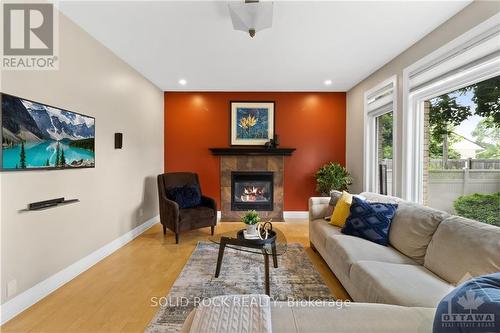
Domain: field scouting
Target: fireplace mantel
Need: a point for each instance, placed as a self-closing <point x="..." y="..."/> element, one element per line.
<point x="252" y="151"/>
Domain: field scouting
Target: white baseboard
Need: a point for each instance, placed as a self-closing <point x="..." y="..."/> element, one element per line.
<point x="21" y="302"/>
<point x="295" y="214"/>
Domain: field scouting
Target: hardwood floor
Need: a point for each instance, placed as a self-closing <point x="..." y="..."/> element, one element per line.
<point x="114" y="295"/>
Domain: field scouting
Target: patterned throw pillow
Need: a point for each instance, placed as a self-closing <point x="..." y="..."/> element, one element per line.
<point x="334" y="197"/>
<point x="370" y="221"/>
<point x="187" y="196"/>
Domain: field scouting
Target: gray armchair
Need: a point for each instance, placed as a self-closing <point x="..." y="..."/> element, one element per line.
<point x="177" y="219"/>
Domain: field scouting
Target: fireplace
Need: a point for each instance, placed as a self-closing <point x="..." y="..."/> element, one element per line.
<point x="238" y="161"/>
<point x="252" y="190"/>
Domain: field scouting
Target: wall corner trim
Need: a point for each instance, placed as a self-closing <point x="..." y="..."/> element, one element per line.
<point x="21" y="302"/>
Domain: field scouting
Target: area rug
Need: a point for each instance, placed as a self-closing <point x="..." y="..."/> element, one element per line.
<point x="242" y="273"/>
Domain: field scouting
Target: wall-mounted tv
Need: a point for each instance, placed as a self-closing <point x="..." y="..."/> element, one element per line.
<point x="38" y="136"/>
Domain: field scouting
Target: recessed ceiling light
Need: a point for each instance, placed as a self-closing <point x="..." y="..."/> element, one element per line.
<point x="327" y="82"/>
<point x="182" y="82"/>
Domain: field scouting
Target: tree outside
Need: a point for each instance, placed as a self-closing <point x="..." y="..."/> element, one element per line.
<point x="385" y="123"/>
<point x="464" y="144"/>
<point x="480" y="101"/>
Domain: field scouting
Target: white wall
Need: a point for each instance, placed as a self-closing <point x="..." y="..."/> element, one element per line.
<point x="116" y="196"/>
<point x="469" y="17"/>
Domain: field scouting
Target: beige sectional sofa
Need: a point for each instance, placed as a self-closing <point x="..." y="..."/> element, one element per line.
<point x="395" y="288"/>
<point x="430" y="253"/>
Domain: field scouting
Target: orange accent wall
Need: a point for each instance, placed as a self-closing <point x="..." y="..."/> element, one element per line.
<point x="314" y="123"/>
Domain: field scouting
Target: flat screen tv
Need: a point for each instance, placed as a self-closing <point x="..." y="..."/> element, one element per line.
<point x="37" y="136"/>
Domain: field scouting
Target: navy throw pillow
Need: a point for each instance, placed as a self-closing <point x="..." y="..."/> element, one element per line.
<point x="473" y="306"/>
<point x="187" y="196"/>
<point x="370" y="221"/>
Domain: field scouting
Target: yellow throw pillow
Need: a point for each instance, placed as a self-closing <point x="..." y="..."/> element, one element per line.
<point x="342" y="209"/>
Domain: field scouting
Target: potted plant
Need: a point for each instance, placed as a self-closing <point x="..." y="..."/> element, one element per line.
<point x="332" y="176"/>
<point x="251" y="218"/>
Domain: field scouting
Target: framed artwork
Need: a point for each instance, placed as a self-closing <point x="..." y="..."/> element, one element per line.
<point x="252" y="123"/>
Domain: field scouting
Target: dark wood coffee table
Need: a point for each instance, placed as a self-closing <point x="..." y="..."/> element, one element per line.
<point x="234" y="240"/>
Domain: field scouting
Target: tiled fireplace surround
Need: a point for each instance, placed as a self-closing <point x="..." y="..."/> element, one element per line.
<point x="274" y="164"/>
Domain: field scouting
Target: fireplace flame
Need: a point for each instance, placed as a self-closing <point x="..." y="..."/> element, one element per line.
<point x="253" y="193"/>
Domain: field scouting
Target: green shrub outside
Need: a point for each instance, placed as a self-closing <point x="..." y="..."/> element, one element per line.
<point x="481" y="207"/>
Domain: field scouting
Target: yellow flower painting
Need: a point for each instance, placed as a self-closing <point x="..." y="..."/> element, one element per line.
<point x="252" y="124"/>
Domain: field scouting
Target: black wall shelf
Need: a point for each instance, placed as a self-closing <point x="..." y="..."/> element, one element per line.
<point x="252" y="151"/>
<point x="42" y="205"/>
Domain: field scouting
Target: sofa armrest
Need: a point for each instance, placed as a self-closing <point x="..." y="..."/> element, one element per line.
<point x="318" y="207"/>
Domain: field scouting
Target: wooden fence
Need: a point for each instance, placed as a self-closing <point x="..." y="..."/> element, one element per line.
<point x="446" y="185"/>
<point x="473" y="164"/>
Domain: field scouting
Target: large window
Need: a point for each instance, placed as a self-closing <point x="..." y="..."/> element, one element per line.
<point x="462" y="151"/>
<point x="451" y="123"/>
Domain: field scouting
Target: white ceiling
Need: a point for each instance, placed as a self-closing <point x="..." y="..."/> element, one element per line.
<point x="309" y="42"/>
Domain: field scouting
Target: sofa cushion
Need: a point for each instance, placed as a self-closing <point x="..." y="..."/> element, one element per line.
<point x="412" y="229"/>
<point x="407" y="285"/>
<point x="320" y="230"/>
<point x="349" y="249"/>
<point x="461" y="248"/>
<point x="370" y="221"/>
<point x="350" y="318"/>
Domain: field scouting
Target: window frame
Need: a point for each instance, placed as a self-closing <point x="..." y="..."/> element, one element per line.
<point x="370" y="139"/>
<point x="413" y="101"/>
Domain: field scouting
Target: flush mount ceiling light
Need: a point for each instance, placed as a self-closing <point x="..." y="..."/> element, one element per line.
<point x="251" y="16"/>
<point x="182" y="82"/>
<point x="327" y="82"/>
